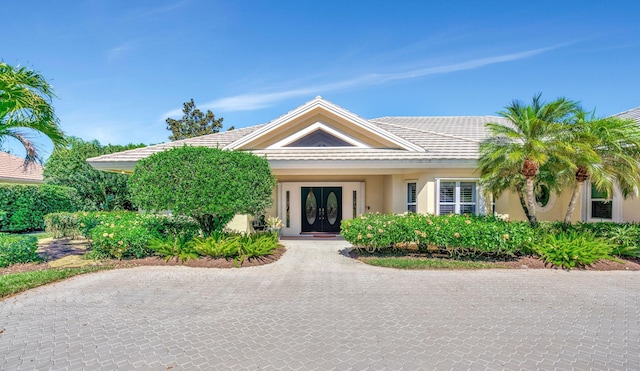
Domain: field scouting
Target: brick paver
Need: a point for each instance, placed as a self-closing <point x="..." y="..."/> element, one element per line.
<point x="317" y="309"/>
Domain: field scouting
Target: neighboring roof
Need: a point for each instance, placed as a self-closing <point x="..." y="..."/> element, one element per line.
<point x="12" y="170"/>
<point x="633" y="114"/>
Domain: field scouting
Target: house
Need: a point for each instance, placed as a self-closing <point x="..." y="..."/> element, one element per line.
<point x="332" y="164"/>
<point x="12" y="170"/>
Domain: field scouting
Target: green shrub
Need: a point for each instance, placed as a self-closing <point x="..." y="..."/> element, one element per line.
<point x="26" y="205"/>
<point x="62" y="225"/>
<point x="456" y="235"/>
<point x="17" y="249"/>
<point x="125" y="239"/>
<point x="571" y="249"/>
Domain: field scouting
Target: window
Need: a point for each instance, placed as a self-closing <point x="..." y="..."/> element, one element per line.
<point x="601" y="206"/>
<point x="412" y="197"/>
<point x="457" y="197"/>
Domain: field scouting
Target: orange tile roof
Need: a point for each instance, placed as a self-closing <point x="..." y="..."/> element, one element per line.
<point x="12" y="170"/>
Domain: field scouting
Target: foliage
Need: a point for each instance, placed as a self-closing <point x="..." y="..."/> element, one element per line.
<point x="62" y="225"/>
<point x="101" y="190"/>
<point x="403" y="262"/>
<point x="533" y="136"/>
<point x="274" y="222"/>
<point x="26" y="205"/>
<point x="176" y="247"/>
<point x="209" y="184"/>
<point x="25" y="109"/>
<point x="14" y="283"/>
<point x="625" y="237"/>
<point x="607" y="153"/>
<point x="236" y="246"/>
<point x="193" y="123"/>
<point x="456" y="235"/>
<point x="571" y="249"/>
<point x="128" y="238"/>
<point x="17" y="249"/>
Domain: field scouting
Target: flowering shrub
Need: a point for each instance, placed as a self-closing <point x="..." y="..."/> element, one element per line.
<point x="453" y="234"/>
<point x="121" y="234"/>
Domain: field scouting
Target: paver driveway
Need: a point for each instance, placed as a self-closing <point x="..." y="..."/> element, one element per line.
<point x="316" y="309"/>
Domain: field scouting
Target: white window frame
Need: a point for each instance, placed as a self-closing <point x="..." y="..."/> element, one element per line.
<point x="480" y="202"/>
<point x="406" y="189"/>
<point x="616" y="205"/>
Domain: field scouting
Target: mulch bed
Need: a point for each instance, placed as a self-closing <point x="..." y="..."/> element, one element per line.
<point x="55" y="249"/>
<point x="525" y="262"/>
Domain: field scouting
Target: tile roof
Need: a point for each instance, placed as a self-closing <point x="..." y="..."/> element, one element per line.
<point x="12" y="170"/>
<point x="630" y="114"/>
<point x="210" y="140"/>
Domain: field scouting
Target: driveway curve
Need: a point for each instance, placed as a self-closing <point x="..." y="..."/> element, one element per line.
<point x="317" y="309"/>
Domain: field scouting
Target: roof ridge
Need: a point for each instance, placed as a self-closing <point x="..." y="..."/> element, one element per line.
<point x="432" y="132"/>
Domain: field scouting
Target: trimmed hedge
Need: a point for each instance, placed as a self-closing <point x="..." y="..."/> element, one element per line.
<point x="24" y="206"/>
<point x="17" y="249"/>
<point x="455" y="235"/>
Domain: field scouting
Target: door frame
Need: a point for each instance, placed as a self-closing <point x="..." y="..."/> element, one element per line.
<point x="295" y="206"/>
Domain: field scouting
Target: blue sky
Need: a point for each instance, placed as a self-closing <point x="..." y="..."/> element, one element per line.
<point x="120" y="68"/>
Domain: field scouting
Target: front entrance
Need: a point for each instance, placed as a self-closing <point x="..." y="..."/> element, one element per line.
<point x="321" y="209"/>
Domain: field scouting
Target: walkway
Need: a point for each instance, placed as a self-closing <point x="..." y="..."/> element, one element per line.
<point x="317" y="309"/>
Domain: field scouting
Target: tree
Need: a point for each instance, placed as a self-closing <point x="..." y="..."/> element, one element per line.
<point x="25" y="108"/>
<point x="193" y="123"/>
<point x="209" y="184"/>
<point x="607" y="152"/>
<point x="101" y="190"/>
<point x="532" y="136"/>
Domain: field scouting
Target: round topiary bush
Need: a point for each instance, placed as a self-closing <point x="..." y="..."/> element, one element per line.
<point x="209" y="184"/>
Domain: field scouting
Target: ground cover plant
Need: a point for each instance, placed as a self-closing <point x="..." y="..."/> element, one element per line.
<point x="413" y="237"/>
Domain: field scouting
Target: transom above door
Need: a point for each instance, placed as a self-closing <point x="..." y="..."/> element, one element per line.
<point x="321" y="209"/>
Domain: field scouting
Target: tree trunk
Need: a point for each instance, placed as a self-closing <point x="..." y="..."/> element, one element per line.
<point x="572" y="204"/>
<point x="523" y="203"/>
<point x="531" y="202"/>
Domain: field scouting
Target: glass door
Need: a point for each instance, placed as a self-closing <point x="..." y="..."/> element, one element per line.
<point x="321" y="209"/>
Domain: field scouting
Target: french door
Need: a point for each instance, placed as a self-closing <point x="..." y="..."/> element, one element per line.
<point x="321" y="209"/>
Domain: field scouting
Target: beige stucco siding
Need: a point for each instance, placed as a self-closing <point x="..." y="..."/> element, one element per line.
<point x="509" y="203"/>
<point x="631" y="210"/>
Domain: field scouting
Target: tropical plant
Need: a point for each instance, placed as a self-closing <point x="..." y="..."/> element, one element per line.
<point x="25" y="109"/>
<point x="607" y="152"/>
<point x="209" y="184"/>
<point x="571" y="249"/>
<point x="101" y="190"/>
<point x="530" y="138"/>
<point x="177" y="247"/>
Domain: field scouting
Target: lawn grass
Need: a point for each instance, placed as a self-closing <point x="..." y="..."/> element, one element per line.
<point x="14" y="283"/>
<point x="426" y="263"/>
<point x="41" y="235"/>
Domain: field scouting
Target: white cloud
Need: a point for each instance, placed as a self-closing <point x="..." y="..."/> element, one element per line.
<point x="120" y="51"/>
<point x="255" y="101"/>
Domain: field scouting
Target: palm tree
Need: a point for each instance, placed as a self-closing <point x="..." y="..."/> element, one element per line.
<point x="25" y="108"/>
<point x="530" y="138"/>
<point x="607" y="153"/>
